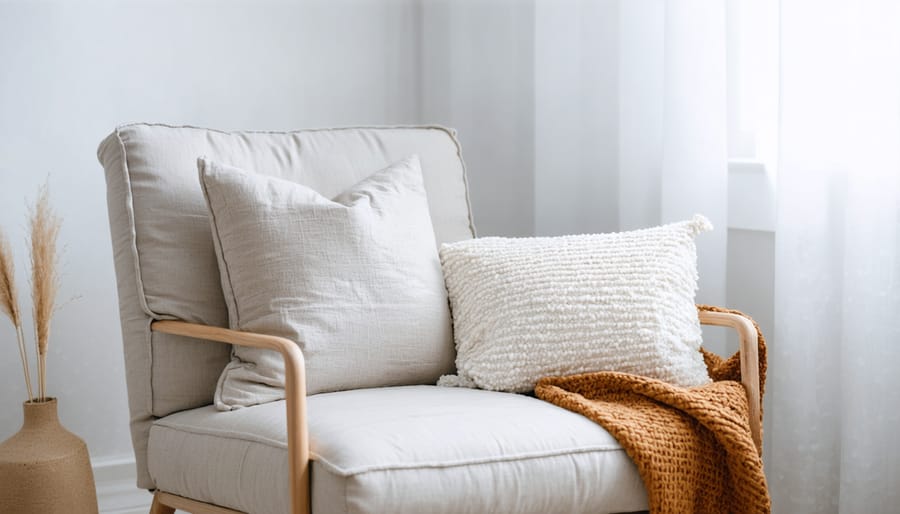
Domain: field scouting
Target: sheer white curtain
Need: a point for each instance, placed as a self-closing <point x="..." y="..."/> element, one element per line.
<point x="630" y="120"/>
<point x="673" y="124"/>
<point x="834" y="380"/>
<point x="630" y="123"/>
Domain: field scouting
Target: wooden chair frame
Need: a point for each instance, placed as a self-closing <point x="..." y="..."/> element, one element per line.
<point x="295" y="403"/>
<point x="295" y="400"/>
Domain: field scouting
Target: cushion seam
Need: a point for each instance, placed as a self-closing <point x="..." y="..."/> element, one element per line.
<point x="136" y="262"/>
<point x="450" y="132"/>
<point x="431" y="126"/>
<point x="461" y="462"/>
<point x="465" y="176"/>
<point x="346" y="472"/>
<point x="220" y="252"/>
<point x="221" y="434"/>
<point x="129" y="210"/>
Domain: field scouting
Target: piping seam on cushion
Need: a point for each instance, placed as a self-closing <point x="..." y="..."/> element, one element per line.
<point x="335" y="469"/>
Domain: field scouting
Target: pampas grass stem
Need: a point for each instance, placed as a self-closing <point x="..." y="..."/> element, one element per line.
<point x="45" y="225"/>
<point x="9" y="305"/>
<point x="23" y="354"/>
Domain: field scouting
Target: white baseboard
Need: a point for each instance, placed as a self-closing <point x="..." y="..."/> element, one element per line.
<point x="117" y="492"/>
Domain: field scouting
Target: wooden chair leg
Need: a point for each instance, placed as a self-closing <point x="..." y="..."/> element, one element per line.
<point x="158" y="507"/>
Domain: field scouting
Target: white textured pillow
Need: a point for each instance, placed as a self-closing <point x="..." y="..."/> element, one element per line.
<point x="532" y="307"/>
<point x="355" y="281"/>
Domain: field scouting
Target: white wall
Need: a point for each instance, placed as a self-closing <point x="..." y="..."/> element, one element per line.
<point x="576" y="116"/>
<point x="70" y="72"/>
<point x="477" y="63"/>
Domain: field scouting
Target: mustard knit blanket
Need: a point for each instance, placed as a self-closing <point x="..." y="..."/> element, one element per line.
<point x="692" y="446"/>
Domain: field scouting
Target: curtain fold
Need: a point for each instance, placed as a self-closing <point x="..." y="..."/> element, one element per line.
<point x="834" y="388"/>
<point x="695" y="145"/>
<point x="631" y="122"/>
<point x="672" y="151"/>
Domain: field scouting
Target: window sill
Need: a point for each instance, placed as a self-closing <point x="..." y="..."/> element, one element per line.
<point x="751" y="196"/>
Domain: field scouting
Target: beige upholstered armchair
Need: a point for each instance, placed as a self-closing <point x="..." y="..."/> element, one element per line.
<point x="408" y="449"/>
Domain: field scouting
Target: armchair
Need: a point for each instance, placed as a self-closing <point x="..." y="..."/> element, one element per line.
<point x="394" y="449"/>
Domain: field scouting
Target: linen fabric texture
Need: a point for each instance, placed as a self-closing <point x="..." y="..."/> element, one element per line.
<point x="355" y="281"/>
<point x="526" y="308"/>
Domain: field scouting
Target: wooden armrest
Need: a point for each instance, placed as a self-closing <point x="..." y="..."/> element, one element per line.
<point x="294" y="392"/>
<point x="749" y="362"/>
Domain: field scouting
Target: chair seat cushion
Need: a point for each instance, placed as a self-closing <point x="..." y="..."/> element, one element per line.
<point x="408" y="449"/>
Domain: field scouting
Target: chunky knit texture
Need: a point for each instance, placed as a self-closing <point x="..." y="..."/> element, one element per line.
<point x="692" y="446"/>
<point x="524" y="308"/>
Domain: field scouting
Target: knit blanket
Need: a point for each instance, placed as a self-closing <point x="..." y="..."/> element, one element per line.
<point x="692" y="446"/>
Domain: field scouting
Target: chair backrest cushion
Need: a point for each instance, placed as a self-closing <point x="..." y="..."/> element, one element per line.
<point x="164" y="255"/>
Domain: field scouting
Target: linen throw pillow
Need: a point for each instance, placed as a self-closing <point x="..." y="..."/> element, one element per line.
<point x="532" y="307"/>
<point x="355" y="281"/>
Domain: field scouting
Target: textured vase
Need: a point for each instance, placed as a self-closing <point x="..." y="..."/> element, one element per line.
<point x="44" y="468"/>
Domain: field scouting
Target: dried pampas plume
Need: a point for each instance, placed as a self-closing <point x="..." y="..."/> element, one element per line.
<point x="45" y="226"/>
<point x="8" y="297"/>
<point x="9" y="304"/>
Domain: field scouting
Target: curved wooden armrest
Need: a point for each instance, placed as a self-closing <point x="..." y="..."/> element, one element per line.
<point x="294" y="392"/>
<point x="749" y="362"/>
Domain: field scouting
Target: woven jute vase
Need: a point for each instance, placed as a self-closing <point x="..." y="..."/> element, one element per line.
<point x="44" y="468"/>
